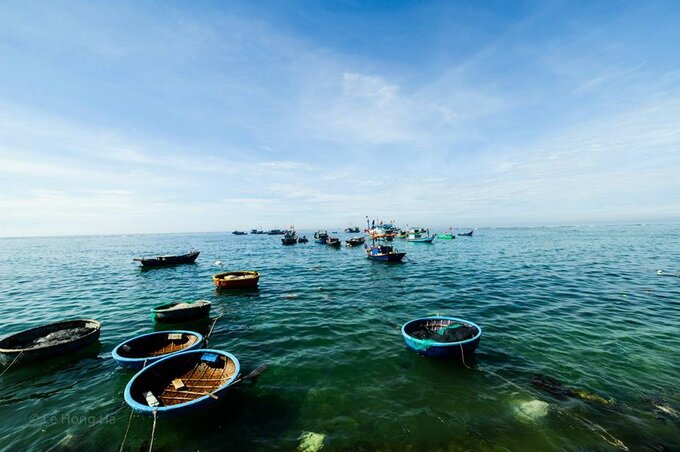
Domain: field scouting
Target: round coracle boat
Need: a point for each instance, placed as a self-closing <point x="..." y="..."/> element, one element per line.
<point x="441" y="336"/>
<point x="236" y="280"/>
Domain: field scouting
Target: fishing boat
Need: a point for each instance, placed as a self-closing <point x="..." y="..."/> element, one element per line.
<point x="236" y="280"/>
<point x="352" y="230"/>
<point x="465" y="234"/>
<point x="182" y="383"/>
<point x="289" y="238"/>
<point x="355" y="241"/>
<point x="303" y="239"/>
<point x="321" y="237"/>
<point x="239" y="233"/>
<point x="276" y="232"/>
<point x="385" y="253"/>
<point x="164" y="261"/>
<point x="417" y="238"/>
<point x="446" y="236"/>
<point x="441" y="336"/>
<point x="48" y="341"/>
<point x="334" y="242"/>
<point x="143" y="350"/>
<point x="181" y="311"/>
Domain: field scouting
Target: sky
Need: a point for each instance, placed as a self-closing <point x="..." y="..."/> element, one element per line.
<point x="162" y="116"/>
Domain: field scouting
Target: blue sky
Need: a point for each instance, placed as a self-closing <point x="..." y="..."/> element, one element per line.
<point x="210" y="116"/>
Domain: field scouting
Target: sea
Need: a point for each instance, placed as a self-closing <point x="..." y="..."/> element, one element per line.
<point x="583" y="307"/>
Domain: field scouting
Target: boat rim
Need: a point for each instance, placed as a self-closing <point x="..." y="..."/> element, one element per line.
<point x="248" y="273"/>
<point x="165" y="307"/>
<point x="97" y="328"/>
<point x="145" y="408"/>
<point x="442" y="317"/>
<point x="118" y="357"/>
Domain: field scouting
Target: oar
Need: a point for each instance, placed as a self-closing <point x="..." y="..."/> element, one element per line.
<point x="255" y="373"/>
<point x="211" y="329"/>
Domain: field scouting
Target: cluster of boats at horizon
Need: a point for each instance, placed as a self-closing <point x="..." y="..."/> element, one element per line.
<point x="378" y="250"/>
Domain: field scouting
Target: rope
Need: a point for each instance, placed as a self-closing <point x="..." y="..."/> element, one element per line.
<point x="593" y="427"/>
<point x="126" y="431"/>
<point x="12" y="363"/>
<point x="153" y="430"/>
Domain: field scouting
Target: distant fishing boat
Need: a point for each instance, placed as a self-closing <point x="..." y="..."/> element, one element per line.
<point x="236" y="280"/>
<point x="352" y="230"/>
<point x="355" y="241"/>
<point x="417" y="238"/>
<point x="334" y="242"/>
<point x="385" y="253"/>
<point x="181" y="311"/>
<point x="239" y="233"/>
<point x="320" y="237"/>
<point x="276" y="232"/>
<point x="143" y="350"/>
<point x="441" y="336"/>
<point x="48" y="341"/>
<point x="290" y="238"/>
<point x="303" y="239"/>
<point x="182" y="383"/>
<point x="465" y="234"/>
<point x="164" y="261"/>
<point x="446" y="236"/>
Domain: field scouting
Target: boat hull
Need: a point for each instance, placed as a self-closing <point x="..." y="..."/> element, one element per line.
<point x="163" y="372"/>
<point x="140" y="344"/>
<point x="193" y="312"/>
<point x="167" y="261"/>
<point x="392" y="257"/>
<point x="249" y="281"/>
<point x="18" y="347"/>
<point x="461" y="349"/>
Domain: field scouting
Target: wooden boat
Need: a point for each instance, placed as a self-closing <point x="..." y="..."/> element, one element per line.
<point x="427" y="336"/>
<point x="303" y="239"/>
<point x="180" y="311"/>
<point x="417" y="238"/>
<point x="276" y="232"/>
<point x="182" y="383"/>
<point x="465" y="234"/>
<point x="446" y="236"/>
<point x="385" y="253"/>
<point x="352" y="230"/>
<point x="143" y="350"/>
<point x="164" y="261"/>
<point x="334" y="242"/>
<point x="48" y="341"/>
<point x="239" y="233"/>
<point x="355" y="241"/>
<point x="236" y="280"/>
<point x="321" y="237"/>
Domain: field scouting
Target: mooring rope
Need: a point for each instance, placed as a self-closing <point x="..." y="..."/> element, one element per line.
<point x="153" y="430"/>
<point x="593" y="427"/>
<point x="12" y="363"/>
<point x="126" y="431"/>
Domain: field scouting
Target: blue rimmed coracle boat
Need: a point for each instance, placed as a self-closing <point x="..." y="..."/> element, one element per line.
<point x="143" y="350"/>
<point x="182" y="383"/>
<point x="442" y="336"/>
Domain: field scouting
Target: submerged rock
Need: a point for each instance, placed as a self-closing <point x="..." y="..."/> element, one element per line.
<point x="311" y="441"/>
<point x="532" y="410"/>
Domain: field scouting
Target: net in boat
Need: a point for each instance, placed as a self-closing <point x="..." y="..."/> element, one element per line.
<point x="431" y="333"/>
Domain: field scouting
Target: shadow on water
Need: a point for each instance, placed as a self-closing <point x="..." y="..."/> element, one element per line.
<point x="237" y="292"/>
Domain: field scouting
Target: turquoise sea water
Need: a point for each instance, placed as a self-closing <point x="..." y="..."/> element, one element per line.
<point x="580" y="304"/>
